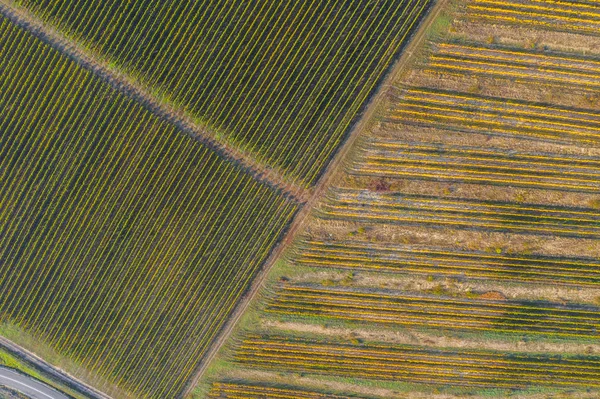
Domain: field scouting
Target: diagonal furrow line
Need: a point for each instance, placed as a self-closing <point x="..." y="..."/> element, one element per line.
<point x="127" y="85"/>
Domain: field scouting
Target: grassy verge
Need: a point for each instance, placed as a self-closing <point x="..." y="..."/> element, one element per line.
<point x="46" y="352"/>
<point x="13" y="362"/>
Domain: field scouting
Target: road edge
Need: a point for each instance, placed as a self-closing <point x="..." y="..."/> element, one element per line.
<point x="52" y="371"/>
<point x="32" y="379"/>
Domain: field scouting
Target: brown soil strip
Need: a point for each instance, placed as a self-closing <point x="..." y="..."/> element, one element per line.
<point x="410" y="336"/>
<point x="125" y="84"/>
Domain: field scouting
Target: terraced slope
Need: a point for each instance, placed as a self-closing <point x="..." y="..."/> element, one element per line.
<point x="283" y="81"/>
<point x="125" y="244"/>
<point x="457" y="253"/>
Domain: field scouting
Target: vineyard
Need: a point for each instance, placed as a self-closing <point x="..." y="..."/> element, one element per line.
<point x="442" y="262"/>
<point x="456" y="253"/>
<point x="465" y="112"/>
<point x="283" y="81"/>
<point x="463" y="213"/>
<point x="302" y="200"/>
<point x="565" y="15"/>
<point x="418" y="364"/>
<point x="222" y="390"/>
<point x="535" y="66"/>
<point x="479" y="165"/>
<point x="434" y="312"/>
<point x="128" y="242"/>
<point x="154" y="157"/>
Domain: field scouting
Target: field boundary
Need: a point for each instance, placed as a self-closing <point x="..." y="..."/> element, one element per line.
<point x="326" y="177"/>
<point x="124" y="84"/>
<point x="52" y="371"/>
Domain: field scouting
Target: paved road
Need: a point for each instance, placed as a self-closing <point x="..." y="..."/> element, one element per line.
<point x="29" y="386"/>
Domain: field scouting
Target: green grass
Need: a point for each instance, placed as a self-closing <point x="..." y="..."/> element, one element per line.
<point x="282" y="80"/>
<point x="125" y="244"/>
<point x="25" y="339"/>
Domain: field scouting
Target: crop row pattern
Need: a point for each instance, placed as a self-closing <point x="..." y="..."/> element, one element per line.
<point x="563" y="15"/>
<point x="420" y="364"/>
<point x="477" y="165"/>
<point x="446" y="262"/>
<point x="405" y="309"/>
<point x="235" y="391"/>
<point x="497" y="116"/>
<point x="124" y="243"/>
<point x="461" y="213"/>
<point x="282" y="80"/>
<point x="566" y="70"/>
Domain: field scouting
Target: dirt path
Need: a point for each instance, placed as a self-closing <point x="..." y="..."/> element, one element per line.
<point x="164" y="110"/>
<point x="324" y="182"/>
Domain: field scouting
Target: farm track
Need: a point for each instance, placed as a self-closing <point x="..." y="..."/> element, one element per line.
<point x="460" y="367"/>
<point x="163" y="110"/>
<point x="357" y="255"/>
<point x="410" y="310"/>
<point x="462" y="214"/>
<point x="328" y="176"/>
<point x="478" y="165"/>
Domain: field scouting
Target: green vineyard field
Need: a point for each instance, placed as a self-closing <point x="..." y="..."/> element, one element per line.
<point x="281" y="80"/>
<point x="127" y="242"/>
<point x="374" y="199"/>
<point x="455" y="254"/>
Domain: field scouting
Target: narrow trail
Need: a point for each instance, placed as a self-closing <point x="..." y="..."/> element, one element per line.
<point x="316" y="193"/>
<point x="125" y="84"/>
